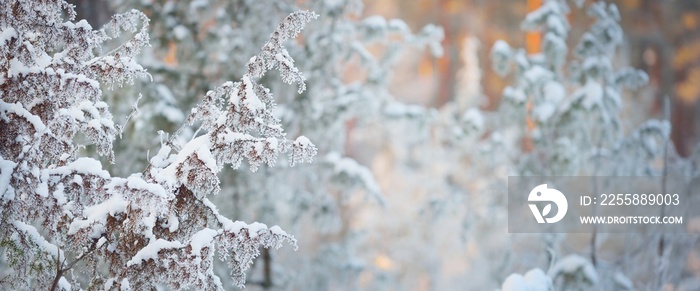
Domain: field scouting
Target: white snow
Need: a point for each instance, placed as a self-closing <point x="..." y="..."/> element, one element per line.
<point x="63" y="284"/>
<point x="42" y="187"/>
<point x="592" y="93"/>
<point x="197" y="4"/>
<point x="555" y="48"/>
<point x="558" y="25"/>
<point x="544" y="111"/>
<point x="259" y="147"/>
<point x="522" y="60"/>
<point x="84" y="166"/>
<point x="83" y="24"/>
<point x="100" y="242"/>
<point x="202" y="239"/>
<point x="125" y="286"/>
<point x="173" y="222"/>
<point x="231" y="137"/>
<point x="59" y="195"/>
<point x="375" y="22"/>
<point x="272" y="143"/>
<point x="399" y="26"/>
<point x="598" y="63"/>
<point x="148" y="223"/>
<point x="7" y="34"/>
<point x="252" y="102"/>
<point x="73" y="112"/>
<point x="397" y="109"/>
<point x="198" y="146"/>
<point x="18" y="68"/>
<point x="514" y="94"/>
<point x="436" y="33"/>
<point x="161" y="160"/>
<point x="135" y="181"/>
<point x="278" y="230"/>
<point x="352" y="169"/>
<point x="227" y="224"/>
<point x="303" y="141"/>
<point x="236" y="227"/>
<point x="38" y="239"/>
<point x="151" y="250"/>
<point x="6" y="170"/>
<point x="232" y="226"/>
<point x="234" y="99"/>
<point x="537" y="74"/>
<point x="18" y="109"/>
<point x="98" y="213"/>
<point x="572" y="264"/>
<point x="180" y="32"/>
<point x="109" y="283"/>
<point x="534" y="280"/>
<point x="43" y="61"/>
<point x="554" y="91"/>
<point x="254" y="228"/>
<point x="501" y="47"/>
<point x="286" y="60"/>
<point x="474" y="117"/>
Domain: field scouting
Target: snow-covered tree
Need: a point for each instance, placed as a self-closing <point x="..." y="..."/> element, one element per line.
<point x="570" y="109"/>
<point x="562" y="115"/>
<point x="347" y="64"/>
<point x="67" y="223"/>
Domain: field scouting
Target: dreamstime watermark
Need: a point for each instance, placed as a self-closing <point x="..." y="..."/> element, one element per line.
<point x="602" y="204"/>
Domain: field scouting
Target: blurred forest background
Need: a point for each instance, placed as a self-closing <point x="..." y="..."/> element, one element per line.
<point x="662" y="38"/>
<point x="426" y="241"/>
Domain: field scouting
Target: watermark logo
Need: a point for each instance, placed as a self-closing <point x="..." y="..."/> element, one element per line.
<point x="542" y="194"/>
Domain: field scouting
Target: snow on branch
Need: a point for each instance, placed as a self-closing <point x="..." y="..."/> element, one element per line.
<point x="274" y="55"/>
<point x="239" y="121"/>
<point x="119" y="65"/>
<point x="62" y="211"/>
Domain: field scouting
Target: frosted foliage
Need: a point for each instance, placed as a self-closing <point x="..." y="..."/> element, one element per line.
<point x="205" y="42"/>
<point x="348" y="169"/>
<point x="551" y="18"/>
<point x="501" y="55"/>
<point x="274" y="54"/>
<point x="534" y="280"/>
<point x="244" y="125"/>
<point x="64" y="215"/>
<point x="562" y="115"/>
<point x="567" y="98"/>
<point x="573" y="271"/>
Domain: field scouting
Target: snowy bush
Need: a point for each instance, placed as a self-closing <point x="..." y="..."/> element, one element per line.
<point x="572" y="105"/>
<point x="196" y="44"/>
<point x="562" y="115"/>
<point x="67" y="223"/>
